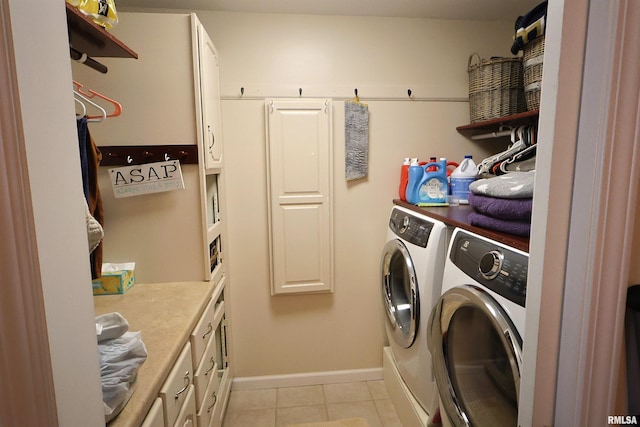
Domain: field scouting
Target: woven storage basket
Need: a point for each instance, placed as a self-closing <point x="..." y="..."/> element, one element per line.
<point x="532" y="61"/>
<point x="496" y="87"/>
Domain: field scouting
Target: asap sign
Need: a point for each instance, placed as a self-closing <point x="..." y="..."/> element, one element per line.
<point x="149" y="178"/>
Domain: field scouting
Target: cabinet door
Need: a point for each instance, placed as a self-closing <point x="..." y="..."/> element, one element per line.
<point x="210" y="99"/>
<point x="300" y="195"/>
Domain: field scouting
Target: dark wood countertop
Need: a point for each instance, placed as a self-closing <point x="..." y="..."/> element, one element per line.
<point x="458" y="216"/>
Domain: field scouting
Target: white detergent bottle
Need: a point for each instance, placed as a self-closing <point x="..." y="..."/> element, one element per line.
<point x="461" y="177"/>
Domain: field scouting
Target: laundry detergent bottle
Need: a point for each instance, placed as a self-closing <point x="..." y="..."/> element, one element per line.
<point x="415" y="175"/>
<point x="404" y="179"/>
<point x="462" y="177"/>
<point x="434" y="186"/>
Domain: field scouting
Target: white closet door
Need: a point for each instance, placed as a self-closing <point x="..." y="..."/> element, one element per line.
<point x="300" y="195"/>
<point x="210" y="98"/>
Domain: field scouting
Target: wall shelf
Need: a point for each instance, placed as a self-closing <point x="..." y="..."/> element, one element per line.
<point x="526" y="118"/>
<point x="87" y="37"/>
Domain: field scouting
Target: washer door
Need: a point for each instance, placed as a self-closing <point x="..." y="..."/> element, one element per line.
<point x="477" y="357"/>
<point x="400" y="292"/>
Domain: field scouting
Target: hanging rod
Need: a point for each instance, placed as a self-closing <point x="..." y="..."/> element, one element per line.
<point x="83" y="58"/>
<point x="492" y="135"/>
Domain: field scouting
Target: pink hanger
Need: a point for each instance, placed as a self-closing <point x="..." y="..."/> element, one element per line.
<point x="117" y="107"/>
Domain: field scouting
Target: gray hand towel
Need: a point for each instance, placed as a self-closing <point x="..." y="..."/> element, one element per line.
<point x="356" y="126"/>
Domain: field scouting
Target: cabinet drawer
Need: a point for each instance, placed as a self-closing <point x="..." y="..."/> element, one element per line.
<point x="155" y="417"/>
<point x="187" y="415"/>
<point x="202" y="333"/>
<point x="174" y="391"/>
<point x="205" y="372"/>
<point x="205" y="414"/>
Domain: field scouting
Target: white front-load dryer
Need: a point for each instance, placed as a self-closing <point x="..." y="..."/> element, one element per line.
<point x="476" y="331"/>
<point x="411" y="269"/>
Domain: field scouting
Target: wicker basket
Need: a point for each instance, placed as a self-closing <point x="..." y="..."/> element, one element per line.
<point x="496" y="87"/>
<point x="532" y="61"/>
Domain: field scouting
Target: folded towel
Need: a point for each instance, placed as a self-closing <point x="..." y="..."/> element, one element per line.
<point x="513" y="185"/>
<point x="518" y="228"/>
<point x="512" y="209"/>
<point x="529" y="27"/>
<point x="356" y="128"/>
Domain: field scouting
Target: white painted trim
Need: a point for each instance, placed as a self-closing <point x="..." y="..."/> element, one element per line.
<point x="25" y="366"/>
<point x="304" y="379"/>
<point x="603" y="217"/>
<point x="559" y="116"/>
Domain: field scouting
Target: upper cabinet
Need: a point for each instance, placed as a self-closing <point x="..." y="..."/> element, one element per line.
<point x="210" y="90"/>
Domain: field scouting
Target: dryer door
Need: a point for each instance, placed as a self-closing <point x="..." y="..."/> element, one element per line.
<point x="400" y="292"/>
<point x="477" y="356"/>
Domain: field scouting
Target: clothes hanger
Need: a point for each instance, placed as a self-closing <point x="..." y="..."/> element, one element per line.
<point x="84" y="107"/>
<point x="99" y="118"/>
<point x="117" y="108"/>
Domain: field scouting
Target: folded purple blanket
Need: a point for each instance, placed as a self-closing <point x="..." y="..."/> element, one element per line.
<point x="518" y="228"/>
<point x="512" y="209"/>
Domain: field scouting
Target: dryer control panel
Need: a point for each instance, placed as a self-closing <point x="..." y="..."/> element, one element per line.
<point x="410" y="228"/>
<point x="496" y="267"/>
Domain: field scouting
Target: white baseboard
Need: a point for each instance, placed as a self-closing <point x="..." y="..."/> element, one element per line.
<point x="304" y="379"/>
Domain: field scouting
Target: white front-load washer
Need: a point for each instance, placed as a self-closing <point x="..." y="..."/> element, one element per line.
<point x="411" y="268"/>
<point x="476" y="331"/>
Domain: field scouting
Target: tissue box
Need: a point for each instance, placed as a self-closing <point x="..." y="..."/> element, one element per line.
<point x="116" y="279"/>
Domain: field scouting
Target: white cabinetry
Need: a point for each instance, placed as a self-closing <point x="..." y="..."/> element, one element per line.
<point x="170" y="97"/>
<point x="299" y="165"/>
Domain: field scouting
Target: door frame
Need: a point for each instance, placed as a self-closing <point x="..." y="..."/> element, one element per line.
<point x="29" y="395"/>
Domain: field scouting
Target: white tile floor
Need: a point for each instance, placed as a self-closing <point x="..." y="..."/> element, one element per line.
<point x="279" y="407"/>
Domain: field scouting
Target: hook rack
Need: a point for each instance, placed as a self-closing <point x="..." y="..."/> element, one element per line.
<point x="127" y="155"/>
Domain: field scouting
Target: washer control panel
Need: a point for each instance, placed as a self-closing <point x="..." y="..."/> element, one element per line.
<point x="410" y="228"/>
<point x="496" y="267"/>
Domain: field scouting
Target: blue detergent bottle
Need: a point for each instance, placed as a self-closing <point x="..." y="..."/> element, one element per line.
<point x="415" y="175"/>
<point x="434" y="186"/>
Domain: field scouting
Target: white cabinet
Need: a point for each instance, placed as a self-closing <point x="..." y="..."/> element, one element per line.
<point x="210" y="90"/>
<point x="300" y="195"/>
<point x="175" y="390"/>
<point x="210" y="360"/>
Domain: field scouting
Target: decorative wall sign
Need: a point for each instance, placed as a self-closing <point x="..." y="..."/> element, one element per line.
<point x="148" y="178"/>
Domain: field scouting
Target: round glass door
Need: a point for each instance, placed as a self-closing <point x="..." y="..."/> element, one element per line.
<point x="399" y="292"/>
<point x="477" y="359"/>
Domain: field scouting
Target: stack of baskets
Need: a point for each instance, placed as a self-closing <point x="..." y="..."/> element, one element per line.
<point x="532" y="62"/>
<point x="496" y="87"/>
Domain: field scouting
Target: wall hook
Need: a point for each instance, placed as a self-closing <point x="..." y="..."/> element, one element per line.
<point x="355" y="91"/>
<point x="129" y="160"/>
<point x="300" y="91"/>
<point x="409" y="93"/>
<point x="241" y="91"/>
<point x="166" y="157"/>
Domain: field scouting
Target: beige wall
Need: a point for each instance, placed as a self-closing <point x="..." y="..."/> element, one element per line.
<point x="273" y="55"/>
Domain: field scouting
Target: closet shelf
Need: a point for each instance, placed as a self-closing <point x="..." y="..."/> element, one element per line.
<point x="87" y="37"/>
<point x="526" y="118"/>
